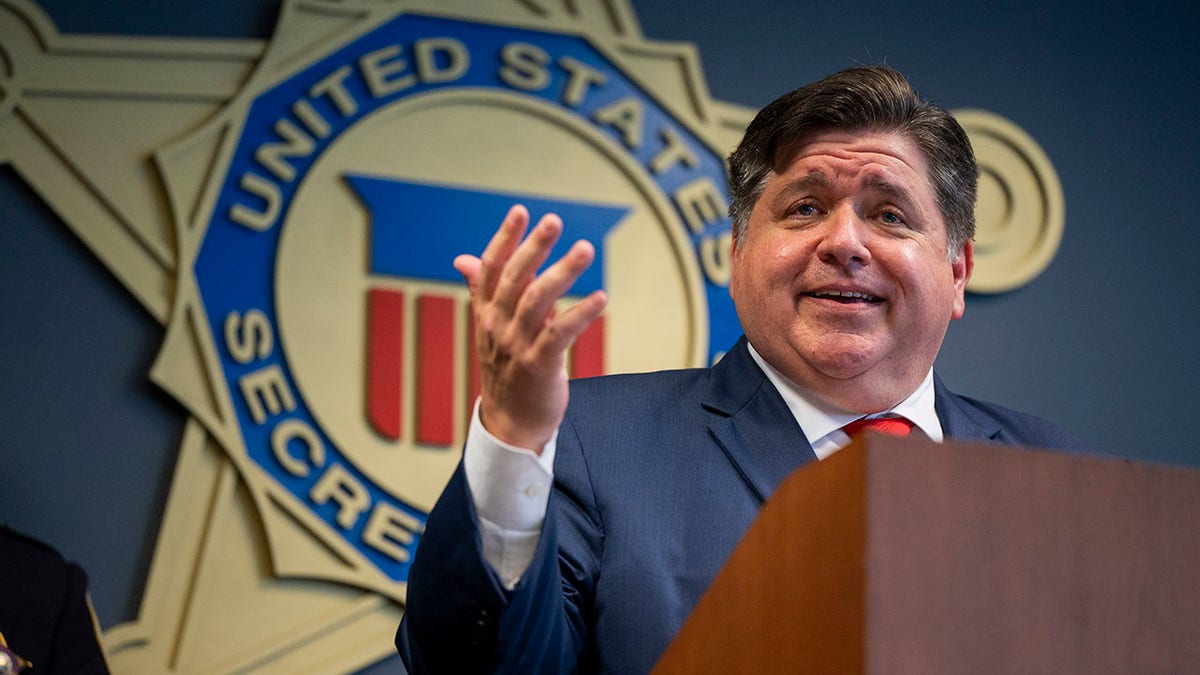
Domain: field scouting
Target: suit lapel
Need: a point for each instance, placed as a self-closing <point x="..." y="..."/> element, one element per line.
<point x="759" y="435"/>
<point x="755" y="428"/>
<point x="958" y="421"/>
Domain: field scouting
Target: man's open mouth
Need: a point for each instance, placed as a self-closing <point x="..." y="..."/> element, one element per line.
<point x="846" y="297"/>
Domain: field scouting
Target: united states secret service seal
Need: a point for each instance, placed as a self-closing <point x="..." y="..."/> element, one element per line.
<point x="317" y="278"/>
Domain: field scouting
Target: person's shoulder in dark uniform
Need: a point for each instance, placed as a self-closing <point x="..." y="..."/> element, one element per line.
<point x="45" y="615"/>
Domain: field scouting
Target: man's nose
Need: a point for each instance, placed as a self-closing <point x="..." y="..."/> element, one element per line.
<point x="844" y="237"/>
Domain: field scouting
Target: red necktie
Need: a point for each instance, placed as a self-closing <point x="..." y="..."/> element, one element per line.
<point x="892" y="426"/>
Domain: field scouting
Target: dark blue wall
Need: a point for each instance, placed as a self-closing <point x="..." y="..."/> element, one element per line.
<point x="1105" y="341"/>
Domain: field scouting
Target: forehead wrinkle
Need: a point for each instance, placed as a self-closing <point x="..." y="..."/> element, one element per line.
<point x="818" y="180"/>
<point x="813" y="180"/>
<point x="887" y="187"/>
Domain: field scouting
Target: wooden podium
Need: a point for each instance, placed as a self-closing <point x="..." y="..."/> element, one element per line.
<point x="905" y="556"/>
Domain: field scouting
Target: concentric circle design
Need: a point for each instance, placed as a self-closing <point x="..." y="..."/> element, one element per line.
<point x="1020" y="213"/>
<point x="9" y="87"/>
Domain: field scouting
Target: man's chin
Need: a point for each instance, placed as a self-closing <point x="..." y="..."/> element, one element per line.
<point x="862" y="391"/>
<point x="847" y="357"/>
<point x="843" y="373"/>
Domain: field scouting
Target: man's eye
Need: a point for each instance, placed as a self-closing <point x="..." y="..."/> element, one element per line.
<point x="806" y="210"/>
<point x="891" y="218"/>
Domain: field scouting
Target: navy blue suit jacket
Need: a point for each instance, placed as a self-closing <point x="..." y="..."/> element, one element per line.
<point x="657" y="476"/>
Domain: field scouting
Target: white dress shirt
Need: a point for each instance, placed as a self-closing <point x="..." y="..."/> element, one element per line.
<point x="822" y="423"/>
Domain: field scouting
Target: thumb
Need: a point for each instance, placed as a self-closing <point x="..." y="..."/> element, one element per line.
<point x="469" y="267"/>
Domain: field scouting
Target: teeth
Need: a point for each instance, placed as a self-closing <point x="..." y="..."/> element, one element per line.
<point x="847" y="294"/>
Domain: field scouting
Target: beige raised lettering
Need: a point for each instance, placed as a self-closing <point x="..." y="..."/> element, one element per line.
<point x="334" y="86"/>
<point x="250" y="337"/>
<point x="297" y="430"/>
<point x="625" y="115"/>
<point x="701" y="203"/>
<point x="580" y="78"/>
<point x="266" y="391"/>
<point x="425" y="54"/>
<point x="674" y="151"/>
<point x="337" y="485"/>
<point x="312" y="120"/>
<point x="715" y="257"/>
<point x="380" y="69"/>
<point x="524" y="66"/>
<point x="258" y="186"/>
<point x="389" y="530"/>
<point x="295" y="143"/>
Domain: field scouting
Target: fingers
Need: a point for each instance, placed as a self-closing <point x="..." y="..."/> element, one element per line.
<point x="521" y="268"/>
<point x="470" y="267"/>
<point x="506" y="280"/>
<point x="561" y="332"/>
<point x="521" y="340"/>
<point x="511" y="297"/>
<point x="500" y="249"/>
<point x="537" y="301"/>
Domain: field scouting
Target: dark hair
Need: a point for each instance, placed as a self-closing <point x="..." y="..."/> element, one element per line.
<point x="867" y="98"/>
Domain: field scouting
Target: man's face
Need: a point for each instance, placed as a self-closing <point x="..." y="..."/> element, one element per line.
<point x="842" y="280"/>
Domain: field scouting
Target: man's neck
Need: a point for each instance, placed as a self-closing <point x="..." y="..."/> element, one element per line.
<point x="819" y="418"/>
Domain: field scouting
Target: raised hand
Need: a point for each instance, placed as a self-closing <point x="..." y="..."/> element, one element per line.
<point x="521" y="339"/>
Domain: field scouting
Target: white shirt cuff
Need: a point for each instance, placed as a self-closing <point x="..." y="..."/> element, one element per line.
<point x="510" y="488"/>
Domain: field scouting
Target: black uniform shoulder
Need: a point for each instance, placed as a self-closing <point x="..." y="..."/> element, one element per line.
<point x="44" y="573"/>
<point x="45" y="615"/>
<point x="20" y="548"/>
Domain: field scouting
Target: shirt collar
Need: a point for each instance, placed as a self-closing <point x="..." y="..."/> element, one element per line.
<point x="822" y="423"/>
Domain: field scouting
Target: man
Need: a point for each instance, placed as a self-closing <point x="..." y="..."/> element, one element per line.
<point x="853" y="206"/>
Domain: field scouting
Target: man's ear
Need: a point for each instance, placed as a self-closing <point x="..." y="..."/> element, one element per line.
<point x="961" y="268"/>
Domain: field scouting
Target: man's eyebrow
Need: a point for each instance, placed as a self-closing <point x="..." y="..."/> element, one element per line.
<point x="805" y="183"/>
<point x="817" y="180"/>
<point x="889" y="188"/>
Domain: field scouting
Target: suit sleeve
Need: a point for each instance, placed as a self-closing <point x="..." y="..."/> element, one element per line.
<point x="459" y="618"/>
